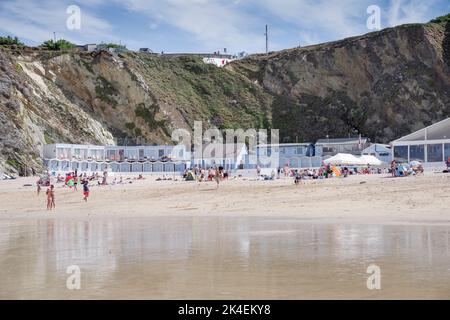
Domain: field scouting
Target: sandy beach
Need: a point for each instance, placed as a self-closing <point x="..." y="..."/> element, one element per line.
<point x="357" y="199"/>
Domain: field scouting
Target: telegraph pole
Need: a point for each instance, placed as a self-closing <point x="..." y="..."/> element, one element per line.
<point x="267" y="39"/>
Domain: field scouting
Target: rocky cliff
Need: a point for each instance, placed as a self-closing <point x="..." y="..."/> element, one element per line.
<point x="383" y="85"/>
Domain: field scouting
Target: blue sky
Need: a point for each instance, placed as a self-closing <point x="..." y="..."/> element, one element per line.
<point x="207" y="25"/>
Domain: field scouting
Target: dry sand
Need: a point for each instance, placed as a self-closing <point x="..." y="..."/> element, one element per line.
<point x="357" y="199"/>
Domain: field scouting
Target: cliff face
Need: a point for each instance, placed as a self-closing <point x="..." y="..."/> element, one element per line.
<point x="98" y="98"/>
<point x="382" y="85"/>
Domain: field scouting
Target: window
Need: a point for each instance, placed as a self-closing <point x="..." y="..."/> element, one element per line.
<point x="299" y="150"/>
<point x="401" y="153"/>
<point x="434" y="152"/>
<point x="417" y="153"/>
<point x="161" y="153"/>
<point x="447" y="151"/>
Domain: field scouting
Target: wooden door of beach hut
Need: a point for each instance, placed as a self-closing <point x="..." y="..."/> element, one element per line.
<point x="147" y="167"/>
<point x="84" y="166"/>
<point x="104" y="167"/>
<point x="136" y="167"/>
<point x="180" y="167"/>
<point x="169" y="167"/>
<point x="75" y="165"/>
<point x="115" y="167"/>
<point x="65" y="165"/>
<point x="125" y="167"/>
<point x="54" y="165"/>
<point x="158" y="167"/>
<point x="93" y="166"/>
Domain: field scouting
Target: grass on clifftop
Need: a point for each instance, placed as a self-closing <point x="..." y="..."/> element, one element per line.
<point x="441" y="19"/>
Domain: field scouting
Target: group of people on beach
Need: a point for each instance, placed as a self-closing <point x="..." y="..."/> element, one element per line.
<point x="71" y="180"/>
<point x="217" y="174"/>
<point x="404" y="170"/>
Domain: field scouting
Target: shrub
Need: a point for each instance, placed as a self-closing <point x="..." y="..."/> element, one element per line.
<point x="9" y="41"/>
<point x="58" y="45"/>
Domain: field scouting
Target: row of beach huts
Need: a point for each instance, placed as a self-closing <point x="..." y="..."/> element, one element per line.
<point x="429" y="146"/>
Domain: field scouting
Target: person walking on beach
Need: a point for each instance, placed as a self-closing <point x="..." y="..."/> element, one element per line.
<point x="217" y="176"/>
<point x="75" y="182"/>
<point x="38" y="185"/>
<point x="85" y="190"/>
<point x="51" y="197"/>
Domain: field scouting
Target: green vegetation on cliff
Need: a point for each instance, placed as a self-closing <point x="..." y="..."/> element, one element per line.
<point x="8" y="41"/>
<point x="58" y="45"/>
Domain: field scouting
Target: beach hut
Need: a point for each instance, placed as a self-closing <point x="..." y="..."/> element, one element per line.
<point x="115" y="167"/>
<point x="125" y="167"/>
<point x="147" y="167"/>
<point x="158" y="167"/>
<point x="53" y="165"/>
<point x="75" y="165"/>
<point x="84" y="166"/>
<point x="169" y="167"/>
<point x="344" y="159"/>
<point x="93" y="166"/>
<point x="180" y="167"/>
<point x="137" y="167"/>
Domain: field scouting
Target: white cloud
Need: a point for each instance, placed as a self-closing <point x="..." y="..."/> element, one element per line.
<point x="409" y="11"/>
<point x="320" y="20"/>
<point x="215" y="24"/>
<point x="210" y="24"/>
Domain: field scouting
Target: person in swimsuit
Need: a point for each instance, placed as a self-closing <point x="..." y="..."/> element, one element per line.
<point x="50" y="197"/>
<point x="217" y="177"/>
<point x="39" y="182"/>
<point x="86" y="190"/>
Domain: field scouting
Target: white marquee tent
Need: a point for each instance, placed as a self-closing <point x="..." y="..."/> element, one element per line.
<point x="371" y="160"/>
<point x="344" y="159"/>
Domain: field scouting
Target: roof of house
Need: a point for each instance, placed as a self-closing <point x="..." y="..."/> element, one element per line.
<point x="438" y="131"/>
<point x="341" y="140"/>
<point x="281" y="145"/>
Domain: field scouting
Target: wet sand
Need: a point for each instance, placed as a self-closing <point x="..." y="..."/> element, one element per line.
<point x="362" y="199"/>
<point x="247" y="240"/>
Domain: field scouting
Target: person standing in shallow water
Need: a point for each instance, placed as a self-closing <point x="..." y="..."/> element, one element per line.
<point x="51" y="197"/>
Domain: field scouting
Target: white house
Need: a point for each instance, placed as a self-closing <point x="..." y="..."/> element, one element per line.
<point x="382" y="152"/>
<point x="142" y="153"/>
<point x="230" y="156"/>
<point x="430" y="145"/>
<point x="295" y="155"/>
<point x="331" y="147"/>
<point x="64" y="151"/>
